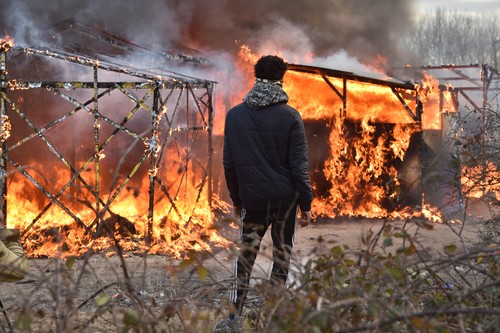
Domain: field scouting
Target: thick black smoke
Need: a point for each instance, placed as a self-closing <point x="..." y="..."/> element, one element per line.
<point x="362" y="28"/>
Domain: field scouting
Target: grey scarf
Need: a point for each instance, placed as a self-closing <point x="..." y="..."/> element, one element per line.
<point x="264" y="93"/>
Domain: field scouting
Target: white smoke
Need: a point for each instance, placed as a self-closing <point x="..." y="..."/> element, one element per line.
<point x="344" y="62"/>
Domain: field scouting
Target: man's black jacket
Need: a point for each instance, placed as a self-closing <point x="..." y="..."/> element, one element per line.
<point x="265" y="158"/>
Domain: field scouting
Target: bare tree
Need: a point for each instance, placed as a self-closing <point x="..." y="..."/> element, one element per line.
<point x="450" y="37"/>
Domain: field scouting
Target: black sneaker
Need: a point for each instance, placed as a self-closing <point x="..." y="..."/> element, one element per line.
<point x="229" y="325"/>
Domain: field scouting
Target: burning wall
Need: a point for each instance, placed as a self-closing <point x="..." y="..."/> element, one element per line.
<point x="363" y="141"/>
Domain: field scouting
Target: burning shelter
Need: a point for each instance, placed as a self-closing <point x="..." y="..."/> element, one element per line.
<point x="103" y="137"/>
<point x="465" y="133"/>
<point x="364" y="139"/>
<point x="386" y="147"/>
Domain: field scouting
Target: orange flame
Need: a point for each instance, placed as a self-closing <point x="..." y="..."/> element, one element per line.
<point x="6" y="43"/>
<point x="480" y="180"/>
<point x="436" y="101"/>
<point x="183" y="223"/>
<point x="365" y="143"/>
<point x="359" y="168"/>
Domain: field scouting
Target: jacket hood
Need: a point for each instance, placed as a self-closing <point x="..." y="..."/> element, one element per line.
<point x="265" y="93"/>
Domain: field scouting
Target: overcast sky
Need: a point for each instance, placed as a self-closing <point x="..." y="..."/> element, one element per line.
<point x="476" y="6"/>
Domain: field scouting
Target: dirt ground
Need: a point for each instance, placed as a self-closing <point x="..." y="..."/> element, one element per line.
<point x="51" y="286"/>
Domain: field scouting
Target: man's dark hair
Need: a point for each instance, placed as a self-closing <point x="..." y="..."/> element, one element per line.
<point x="270" y="67"/>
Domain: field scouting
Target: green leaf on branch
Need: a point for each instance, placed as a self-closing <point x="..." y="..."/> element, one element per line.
<point x="23" y="322"/>
<point x="202" y="272"/>
<point x="450" y="249"/>
<point x="337" y="250"/>
<point x="387" y="242"/>
<point x="395" y="273"/>
<point x="101" y="300"/>
<point x="70" y="262"/>
<point x="409" y="251"/>
<point x="131" y="319"/>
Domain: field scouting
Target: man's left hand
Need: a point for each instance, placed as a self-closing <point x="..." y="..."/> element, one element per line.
<point x="305" y="218"/>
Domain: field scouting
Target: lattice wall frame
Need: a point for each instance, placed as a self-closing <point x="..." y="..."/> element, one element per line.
<point x="165" y="115"/>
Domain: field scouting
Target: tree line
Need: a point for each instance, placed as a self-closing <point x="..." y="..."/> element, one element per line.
<point x="444" y="37"/>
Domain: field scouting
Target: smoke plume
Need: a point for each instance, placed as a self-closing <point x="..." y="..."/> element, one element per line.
<point x="298" y="29"/>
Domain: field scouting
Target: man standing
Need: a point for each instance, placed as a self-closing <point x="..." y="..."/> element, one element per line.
<point x="266" y="169"/>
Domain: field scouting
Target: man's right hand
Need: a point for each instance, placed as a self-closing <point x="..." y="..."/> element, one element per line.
<point x="237" y="211"/>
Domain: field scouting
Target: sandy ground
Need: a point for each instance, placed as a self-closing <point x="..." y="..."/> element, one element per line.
<point x="351" y="232"/>
<point x="153" y="275"/>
